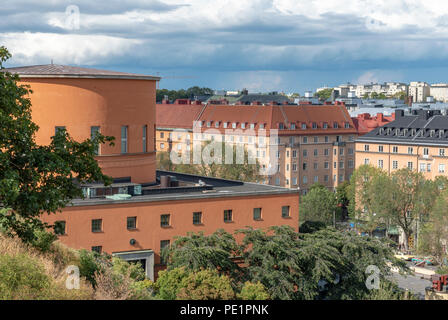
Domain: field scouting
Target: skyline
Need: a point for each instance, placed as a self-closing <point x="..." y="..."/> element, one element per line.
<point x="261" y="45"/>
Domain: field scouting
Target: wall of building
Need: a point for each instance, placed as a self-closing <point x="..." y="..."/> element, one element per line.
<point x="115" y="236"/>
<point x="79" y="104"/>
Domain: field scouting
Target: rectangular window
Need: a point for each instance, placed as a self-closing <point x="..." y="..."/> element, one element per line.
<point x="59" y="228"/>
<point x="131" y="223"/>
<point x="162" y="146"/>
<point x="257" y="213"/>
<point x="162" y="134"/>
<point x="380" y="148"/>
<point x="326" y="165"/>
<point x="285" y="211"/>
<point x="410" y="165"/>
<point x="315" y="165"/>
<point x="422" y="167"/>
<point x="144" y="138"/>
<point x="350" y="163"/>
<point x="124" y="139"/>
<point x="97" y="249"/>
<point x="93" y="133"/>
<point x="428" y="167"/>
<point x="305" y="179"/>
<point x="305" y="152"/>
<point x="380" y="164"/>
<point x="165" y="220"/>
<point x="425" y="151"/>
<point x="294" y="153"/>
<point x="366" y="147"/>
<point x="442" y="152"/>
<point x="305" y="139"/>
<point x="441" y="168"/>
<point x="228" y="216"/>
<point x="97" y="225"/>
<point x="341" y="165"/>
<point x="315" y="152"/>
<point x="164" y="245"/>
<point x="326" y="178"/>
<point x="326" y="152"/>
<point x="341" y="151"/>
<point x="316" y="178"/>
<point x="366" y="161"/>
<point x="197" y="217"/>
<point x="394" y="164"/>
<point x="395" y="149"/>
<point x="410" y="150"/>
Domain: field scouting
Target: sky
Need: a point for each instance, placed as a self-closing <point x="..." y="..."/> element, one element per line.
<point x="261" y="45"/>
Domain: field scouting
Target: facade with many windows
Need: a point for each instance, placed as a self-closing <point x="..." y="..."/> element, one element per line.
<point x="418" y="141"/>
<point x="305" y="144"/>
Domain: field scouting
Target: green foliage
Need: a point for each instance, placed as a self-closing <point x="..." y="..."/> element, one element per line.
<point x="169" y="283"/>
<point x="22" y="277"/>
<point x="36" y="179"/>
<point x="135" y="270"/>
<point x="311" y="226"/>
<point x="324" y="94"/>
<point x="91" y="263"/>
<point x="190" y="93"/>
<point x="205" y="284"/>
<point x="318" y="205"/>
<point x="389" y="291"/>
<point x="43" y="240"/>
<point x="196" y="251"/>
<point x="253" y="291"/>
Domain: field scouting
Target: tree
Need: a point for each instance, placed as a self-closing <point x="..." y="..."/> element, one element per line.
<point x="361" y="197"/>
<point x="169" y="282"/>
<point x="190" y="93"/>
<point x="318" y="204"/>
<point x="343" y="198"/>
<point x="37" y="179"/>
<point x="324" y="94"/>
<point x="205" y="284"/>
<point x="399" y="199"/>
<point x="253" y="291"/>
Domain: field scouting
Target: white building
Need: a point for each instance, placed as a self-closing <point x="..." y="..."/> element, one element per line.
<point x="419" y="90"/>
<point x="439" y="91"/>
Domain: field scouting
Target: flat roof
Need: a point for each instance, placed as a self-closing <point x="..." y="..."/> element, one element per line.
<point x="63" y="71"/>
<point x="222" y="188"/>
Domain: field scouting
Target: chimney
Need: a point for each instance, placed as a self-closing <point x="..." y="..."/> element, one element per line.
<point x="380" y="117"/>
<point x="165" y="181"/>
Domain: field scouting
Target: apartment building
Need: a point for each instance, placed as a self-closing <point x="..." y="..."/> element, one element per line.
<point x="296" y="145"/>
<point x="439" y="91"/>
<point x="387" y="88"/>
<point x="144" y="209"/>
<point x="419" y="91"/>
<point x="418" y="141"/>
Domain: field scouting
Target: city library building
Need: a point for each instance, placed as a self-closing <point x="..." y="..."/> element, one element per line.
<point x="143" y="210"/>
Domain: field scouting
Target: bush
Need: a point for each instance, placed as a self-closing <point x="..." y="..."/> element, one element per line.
<point x="253" y="291"/>
<point x="312" y="226"/>
<point x="43" y="240"/>
<point x="22" y="277"/>
<point x="206" y="285"/>
<point x="169" y="283"/>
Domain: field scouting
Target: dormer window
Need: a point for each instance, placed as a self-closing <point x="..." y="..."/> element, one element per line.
<point x="432" y="133"/>
<point x="397" y="132"/>
<point x="347" y="125"/>
<point x="441" y="133"/>
<point x="225" y="124"/>
<point x="381" y="131"/>
<point x="234" y="125"/>
<point x="293" y="126"/>
<point x="335" y="125"/>
<point x="389" y="130"/>
<point x="303" y="126"/>
<point x="217" y="124"/>
<point x="243" y="125"/>
<point x="413" y="131"/>
<point x="314" y="125"/>
<point x="281" y="126"/>
<point x="405" y="132"/>
<point x="261" y="125"/>
<point x="209" y="124"/>
<point x="252" y="125"/>
<point x="325" y="126"/>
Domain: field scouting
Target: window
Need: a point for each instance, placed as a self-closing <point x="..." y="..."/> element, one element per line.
<point x="209" y="124"/>
<point x="326" y="152"/>
<point x="277" y="181"/>
<point x="131" y="223"/>
<point x="59" y="228"/>
<point x="326" y="139"/>
<point x="341" y="177"/>
<point x="380" y="164"/>
<point x="304" y="166"/>
<point x="164" y="244"/>
<point x="294" y="167"/>
<point x="305" y="179"/>
<point x="165" y="220"/>
<point x="243" y="125"/>
<point x="293" y="126"/>
<point x="442" y="152"/>
<point x="314" y="125"/>
<point x="257" y="213"/>
<point x="341" y="151"/>
<point x="305" y="139"/>
<point x="428" y="167"/>
<point x="347" y="125"/>
<point x="303" y="126"/>
<point x="335" y="125"/>
<point x="294" y="153"/>
<point x="326" y="178"/>
<point x="162" y="134"/>
<point x="281" y="126"/>
<point x="294" y="181"/>
<point x="57" y="129"/>
<point x="350" y="151"/>
<point x="315" y="152"/>
<point x="97" y="225"/>
<point x="316" y="139"/>
<point x="395" y="149"/>
<point x="425" y="151"/>
<point x="410" y="150"/>
<point x="228" y="216"/>
<point x="287" y="167"/>
<point x="316" y="178"/>
<point x="234" y="125"/>
<point x="394" y="164"/>
<point x="335" y="165"/>
<point x="197" y="217"/>
<point x="410" y="165"/>
<point x="422" y="167"/>
<point x="380" y="148"/>
<point x="325" y="126"/>
<point x="335" y="152"/>
<point x="97" y="249"/>
<point x="350" y="163"/>
<point x="162" y="146"/>
<point x="366" y="147"/>
<point x="366" y="161"/>
<point x="305" y="152"/>
<point x="285" y="211"/>
<point x="124" y="139"/>
<point x="94" y="133"/>
<point x="315" y="165"/>
<point x="326" y="165"/>
<point x="341" y="165"/>
<point x="441" y="168"/>
<point x="252" y="125"/>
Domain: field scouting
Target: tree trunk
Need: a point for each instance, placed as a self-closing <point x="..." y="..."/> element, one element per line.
<point x="406" y="240"/>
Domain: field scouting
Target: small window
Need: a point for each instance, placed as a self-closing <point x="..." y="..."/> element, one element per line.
<point x="366" y="147"/>
<point x="228" y="216"/>
<point x="97" y="225"/>
<point x="395" y="149"/>
<point x="131" y="223"/>
<point x="335" y="125"/>
<point x="257" y="213"/>
<point x="165" y="220"/>
<point x="380" y="149"/>
<point x="285" y="211"/>
<point x="97" y="249"/>
<point x="325" y="125"/>
<point x="162" y="134"/>
<point x="394" y="164"/>
<point x="59" y="228"/>
<point x="197" y="217"/>
<point x="124" y="139"/>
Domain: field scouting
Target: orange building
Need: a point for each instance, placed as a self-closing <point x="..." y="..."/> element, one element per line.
<point x="144" y="209"/>
<point x="305" y="143"/>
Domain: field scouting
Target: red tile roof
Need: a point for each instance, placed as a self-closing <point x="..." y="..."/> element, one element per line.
<point x="365" y="123"/>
